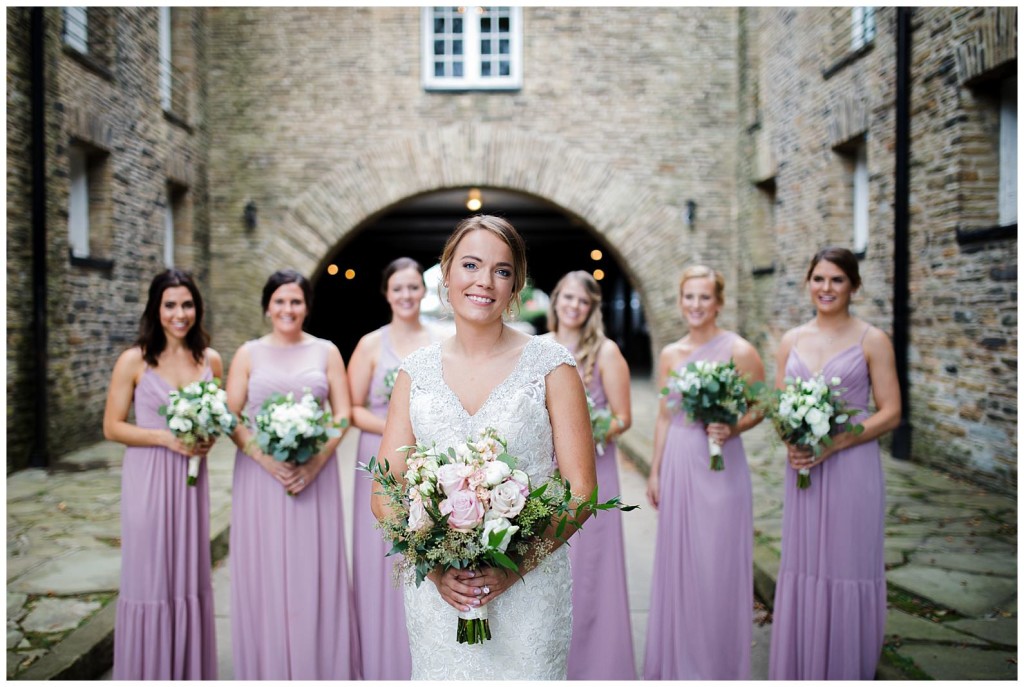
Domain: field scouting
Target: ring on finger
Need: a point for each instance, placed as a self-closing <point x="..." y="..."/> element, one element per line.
<point x="487" y="590"/>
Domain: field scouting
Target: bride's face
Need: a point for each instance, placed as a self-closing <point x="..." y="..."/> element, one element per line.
<point x="481" y="277"/>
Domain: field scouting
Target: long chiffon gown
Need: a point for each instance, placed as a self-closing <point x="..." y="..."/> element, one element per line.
<point x="164" y="628"/>
<point x="702" y="596"/>
<point x="291" y="604"/>
<point x="829" y="616"/>
<point x="380" y="610"/>
<point x="602" y="641"/>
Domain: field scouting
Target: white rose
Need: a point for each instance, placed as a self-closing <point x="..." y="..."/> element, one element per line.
<point x="507" y="499"/>
<point x="419" y="519"/>
<point x="820" y="429"/>
<point x="523" y="480"/>
<point x="494" y="523"/>
<point x="815" y="417"/>
<point x="180" y="424"/>
<point x="495" y="472"/>
<point x="836" y="381"/>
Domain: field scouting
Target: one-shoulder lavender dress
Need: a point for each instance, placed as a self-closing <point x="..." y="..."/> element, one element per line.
<point x="829" y="615"/>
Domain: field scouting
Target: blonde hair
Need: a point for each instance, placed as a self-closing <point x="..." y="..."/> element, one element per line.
<point x="705" y="272"/>
<point x="501" y="228"/>
<point x="592" y="334"/>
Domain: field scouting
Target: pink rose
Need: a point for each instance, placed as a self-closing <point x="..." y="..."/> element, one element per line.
<point x="452" y="477"/>
<point x="507" y="499"/>
<point x="523" y="480"/>
<point x="465" y="508"/>
<point x="419" y="519"/>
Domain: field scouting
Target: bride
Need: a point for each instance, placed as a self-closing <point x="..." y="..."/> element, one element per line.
<point x="490" y="375"/>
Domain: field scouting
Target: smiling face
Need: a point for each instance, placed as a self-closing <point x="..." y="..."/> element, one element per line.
<point x="405" y="292"/>
<point x="830" y="288"/>
<point x="177" y="312"/>
<point x="698" y="303"/>
<point x="287" y="309"/>
<point x="481" y="277"/>
<point x="573" y="305"/>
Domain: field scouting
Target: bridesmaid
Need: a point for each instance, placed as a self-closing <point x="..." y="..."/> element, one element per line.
<point x="830" y="595"/>
<point x="380" y="611"/>
<point x="702" y="596"/>
<point x="602" y="641"/>
<point x="291" y="603"/>
<point x="164" y="628"/>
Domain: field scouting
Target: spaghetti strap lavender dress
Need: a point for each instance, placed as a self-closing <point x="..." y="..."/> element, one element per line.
<point x="379" y="607"/>
<point x="829" y="615"/>
<point x="602" y="641"/>
<point x="702" y="595"/>
<point x="291" y="603"/>
<point x="164" y="628"/>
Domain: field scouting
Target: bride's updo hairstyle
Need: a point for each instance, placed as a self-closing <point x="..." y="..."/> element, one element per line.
<point x="501" y="228"/>
<point x="704" y="272"/>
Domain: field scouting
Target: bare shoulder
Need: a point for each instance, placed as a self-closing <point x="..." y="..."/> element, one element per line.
<point x="742" y="347"/>
<point x="369" y="341"/>
<point x="875" y="340"/>
<point x="212" y="356"/>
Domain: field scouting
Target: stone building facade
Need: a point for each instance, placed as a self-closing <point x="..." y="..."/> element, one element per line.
<point x="762" y="117"/>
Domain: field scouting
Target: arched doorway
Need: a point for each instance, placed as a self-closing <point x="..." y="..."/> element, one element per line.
<point x="348" y="299"/>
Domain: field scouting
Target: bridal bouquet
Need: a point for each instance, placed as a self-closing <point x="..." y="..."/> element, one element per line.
<point x="468" y="507"/>
<point x="600" y="424"/>
<point x="197" y="412"/>
<point x="806" y="413"/>
<point x="389" y="382"/>
<point x="294" y="431"/>
<point x="711" y="392"/>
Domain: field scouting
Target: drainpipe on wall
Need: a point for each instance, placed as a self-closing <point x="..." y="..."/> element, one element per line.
<point x="39" y="457"/>
<point x="901" y="233"/>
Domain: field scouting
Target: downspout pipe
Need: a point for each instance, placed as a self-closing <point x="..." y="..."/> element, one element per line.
<point x="39" y="456"/>
<point x="901" y="438"/>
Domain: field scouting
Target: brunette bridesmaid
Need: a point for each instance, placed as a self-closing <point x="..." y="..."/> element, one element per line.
<point x="602" y="641"/>
<point x="702" y="596"/>
<point x="380" y="611"/>
<point x="829" y="615"/>
<point x="164" y="628"/>
<point x="291" y="605"/>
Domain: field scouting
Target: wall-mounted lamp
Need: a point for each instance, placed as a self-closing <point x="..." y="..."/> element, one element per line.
<point x="474" y="201"/>
<point x="249" y="215"/>
<point x="690" y="214"/>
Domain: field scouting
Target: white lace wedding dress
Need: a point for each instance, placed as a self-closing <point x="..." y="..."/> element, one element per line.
<point x="531" y="622"/>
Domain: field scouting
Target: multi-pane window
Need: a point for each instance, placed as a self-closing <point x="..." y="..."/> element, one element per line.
<point x="1008" y="152"/>
<point x="471" y="48"/>
<point x="76" y="28"/>
<point x="863" y="26"/>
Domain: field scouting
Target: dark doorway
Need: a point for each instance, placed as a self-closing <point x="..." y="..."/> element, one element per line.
<point x="349" y="306"/>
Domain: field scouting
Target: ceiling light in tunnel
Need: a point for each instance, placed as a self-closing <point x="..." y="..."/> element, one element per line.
<point x="332" y="269"/>
<point x="598" y="275"/>
<point x="474" y="201"/>
<point x="350" y="273"/>
<point x="596" y="254"/>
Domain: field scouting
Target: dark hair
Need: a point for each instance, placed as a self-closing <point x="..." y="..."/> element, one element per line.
<point x="152" y="339"/>
<point x="501" y="228"/>
<point x="397" y="265"/>
<point x="842" y="258"/>
<point x="287" y="276"/>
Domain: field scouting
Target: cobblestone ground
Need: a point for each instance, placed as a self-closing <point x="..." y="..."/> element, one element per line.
<point x="951" y="555"/>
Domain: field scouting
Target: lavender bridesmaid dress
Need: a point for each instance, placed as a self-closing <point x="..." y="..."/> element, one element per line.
<point x="379" y="607"/>
<point x="602" y="641"/>
<point x="291" y="604"/>
<point x="829" y="616"/>
<point x="164" y="628"/>
<point x="702" y="596"/>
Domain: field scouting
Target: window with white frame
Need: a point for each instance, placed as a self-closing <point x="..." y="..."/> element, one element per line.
<point x="863" y="26"/>
<point x="78" y="203"/>
<point x="164" y="41"/>
<point x="1008" y="152"/>
<point x="472" y="48"/>
<point x="76" y="28"/>
<point x="860" y="198"/>
<point x="169" y="228"/>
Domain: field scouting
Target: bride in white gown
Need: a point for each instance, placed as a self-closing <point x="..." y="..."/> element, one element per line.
<point x="490" y="375"/>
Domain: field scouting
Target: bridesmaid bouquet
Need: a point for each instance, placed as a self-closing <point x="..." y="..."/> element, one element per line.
<point x="389" y="382"/>
<point x="294" y="431"/>
<point x="468" y="507"/>
<point x="600" y="424"/>
<point x="711" y="392"/>
<point x="197" y="412"/>
<point x="806" y="413"/>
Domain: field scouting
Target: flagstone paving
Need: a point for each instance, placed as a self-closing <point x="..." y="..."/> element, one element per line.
<point x="951" y="555"/>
